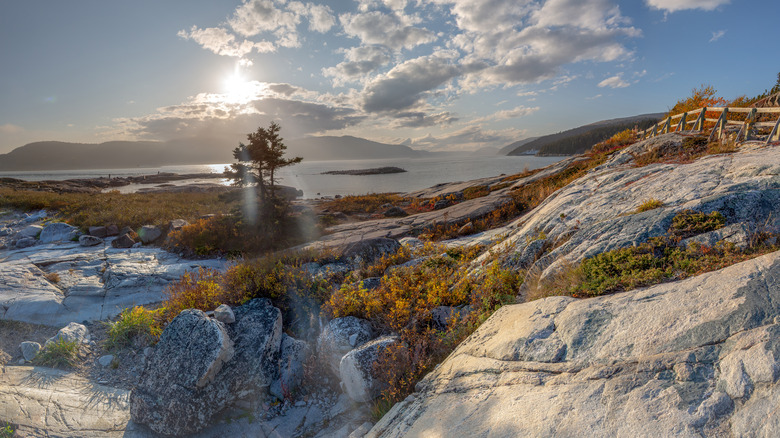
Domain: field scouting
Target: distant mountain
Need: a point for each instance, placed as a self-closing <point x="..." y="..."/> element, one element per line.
<point x="346" y="148"/>
<point x="509" y="148"/>
<point x="57" y="155"/>
<point x="580" y="139"/>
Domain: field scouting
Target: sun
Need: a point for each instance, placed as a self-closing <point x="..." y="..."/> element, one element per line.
<point x="239" y="90"/>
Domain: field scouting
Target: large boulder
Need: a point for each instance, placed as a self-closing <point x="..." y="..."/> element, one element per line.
<point x="201" y="367"/>
<point x="123" y="241"/>
<point x="341" y="336"/>
<point x="358" y="373"/>
<point x="149" y="233"/>
<point x="293" y="355"/>
<point x="698" y="357"/>
<point x="58" y="232"/>
<point x="29" y="231"/>
<point x="73" y="332"/>
<point x="88" y="240"/>
<point x="173" y="396"/>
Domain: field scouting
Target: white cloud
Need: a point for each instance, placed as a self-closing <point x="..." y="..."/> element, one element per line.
<point x="223" y="43"/>
<point x="468" y="138"/>
<point x="321" y="17"/>
<point x="407" y="84"/>
<point x="717" y="35"/>
<point x="359" y="62"/>
<point x="256" y="16"/>
<point x="514" y="113"/>
<point x="389" y="30"/>
<point x="680" y="5"/>
<point x="614" y="82"/>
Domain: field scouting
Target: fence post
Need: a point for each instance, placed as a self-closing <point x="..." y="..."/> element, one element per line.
<point x="699" y="125"/>
<point x="720" y="124"/>
<point x="683" y="122"/>
<point x="655" y="130"/>
<point x="751" y="120"/>
<point x="774" y="135"/>
<point x="667" y="125"/>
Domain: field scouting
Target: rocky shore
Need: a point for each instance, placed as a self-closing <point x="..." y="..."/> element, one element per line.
<point x="696" y="356"/>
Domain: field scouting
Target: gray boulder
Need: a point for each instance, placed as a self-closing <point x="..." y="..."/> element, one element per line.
<point x="29" y="349"/>
<point x="112" y="230"/>
<point x="29" y="231"/>
<point x="106" y="360"/>
<point x="395" y="211"/>
<point x="149" y="233"/>
<point x="70" y="333"/>
<point x="88" y="240"/>
<point x="201" y="367"/>
<point x="173" y="396"/>
<point x="123" y="241"/>
<point x="25" y="242"/>
<point x="357" y="369"/>
<point x="58" y="232"/>
<point x="293" y="354"/>
<point x="177" y="224"/>
<point x="98" y="231"/>
<point x="339" y="337"/>
<point x="224" y="314"/>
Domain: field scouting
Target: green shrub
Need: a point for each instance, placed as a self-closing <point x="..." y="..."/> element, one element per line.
<point x="690" y="223"/>
<point x="58" y="354"/>
<point x="136" y="326"/>
<point x="6" y="430"/>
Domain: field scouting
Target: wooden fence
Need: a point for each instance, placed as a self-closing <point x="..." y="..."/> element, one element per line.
<point x="754" y="120"/>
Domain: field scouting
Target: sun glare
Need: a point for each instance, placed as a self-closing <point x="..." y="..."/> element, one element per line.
<point x="239" y="90"/>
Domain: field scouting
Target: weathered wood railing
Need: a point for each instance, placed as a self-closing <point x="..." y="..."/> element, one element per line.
<point x="698" y="118"/>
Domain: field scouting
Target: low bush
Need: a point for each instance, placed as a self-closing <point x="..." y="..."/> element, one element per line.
<point x="690" y="223"/>
<point x="134" y="327"/>
<point x="58" y="354"/>
<point x="6" y="430"/>
<point x="650" y="204"/>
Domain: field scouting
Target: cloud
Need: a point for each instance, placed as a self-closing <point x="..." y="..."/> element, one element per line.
<point x="256" y="16"/>
<point x="221" y="42"/>
<point x="419" y="119"/>
<point x="213" y="115"/>
<point x="389" y="30"/>
<point x="321" y="17"/>
<point x="509" y="41"/>
<point x="717" y="35"/>
<point x="468" y="138"/>
<point x="359" y="62"/>
<point x="680" y="5"/>
<point x="514" y="113"/>
<point x="614" y="82"/>
<point x="9" y="128"/>
<point x="407" y="84"/>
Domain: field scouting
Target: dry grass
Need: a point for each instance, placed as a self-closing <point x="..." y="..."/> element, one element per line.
<point x="649" y="204"/>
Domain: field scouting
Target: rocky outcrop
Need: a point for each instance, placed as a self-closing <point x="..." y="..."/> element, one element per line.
<point x="174" y="395"/>
<point x="58" y="232"/>
<point x="699" y="357"/>
<point x="200" y="367"/>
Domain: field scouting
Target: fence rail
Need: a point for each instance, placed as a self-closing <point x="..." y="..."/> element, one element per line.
<point x="698" y="118"/>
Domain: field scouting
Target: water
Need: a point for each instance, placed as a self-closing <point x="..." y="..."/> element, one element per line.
<point x="421" y="173"/>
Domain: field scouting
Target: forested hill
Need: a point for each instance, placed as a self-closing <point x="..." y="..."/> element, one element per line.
<point x="580" y="139"/>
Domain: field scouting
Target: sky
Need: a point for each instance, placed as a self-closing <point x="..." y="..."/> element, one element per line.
<point x="431" y="74"/>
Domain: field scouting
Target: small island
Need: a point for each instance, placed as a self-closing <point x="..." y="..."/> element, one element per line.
<point x="373" y="171"/>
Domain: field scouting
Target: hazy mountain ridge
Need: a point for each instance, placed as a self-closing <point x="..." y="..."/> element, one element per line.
<point x="58" y="155"/>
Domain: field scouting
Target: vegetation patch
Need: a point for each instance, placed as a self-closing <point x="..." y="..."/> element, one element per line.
<point x="134" y="327"/>
<point x="650" y="204"/>
<point x="6" y="430"/>
<point x="689" y="223"/>
<point x="58" y="354"/>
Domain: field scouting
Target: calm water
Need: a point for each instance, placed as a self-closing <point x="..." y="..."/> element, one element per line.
<point x="421" y="173"/>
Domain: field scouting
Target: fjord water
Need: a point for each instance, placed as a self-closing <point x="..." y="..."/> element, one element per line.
<point x="420" y="173"/>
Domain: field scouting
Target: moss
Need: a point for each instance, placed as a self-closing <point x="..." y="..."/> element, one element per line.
<point x="690" y="223"/>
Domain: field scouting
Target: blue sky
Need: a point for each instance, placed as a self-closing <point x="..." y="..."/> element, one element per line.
<point x="432" y="74"/>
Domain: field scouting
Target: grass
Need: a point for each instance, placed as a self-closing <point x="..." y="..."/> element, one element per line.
<point x="53" y="277"/>
<point x="365" y="204"/>
<point x="133" y="209"/>
<point x="136" y="326"/>
<point x="58" y="354"/>
<point x="650" y="204"/>
<point x="6" y="430"/>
